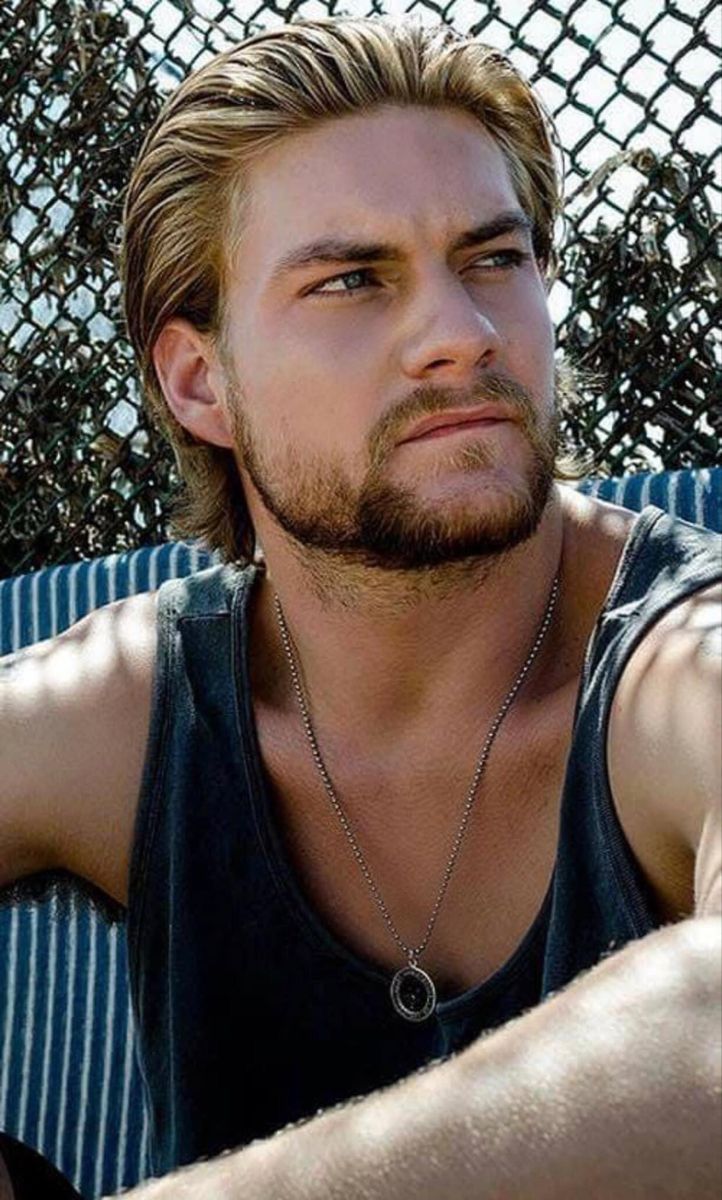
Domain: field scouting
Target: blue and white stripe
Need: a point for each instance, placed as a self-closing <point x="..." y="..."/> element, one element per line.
<point x="70" y="1085"/>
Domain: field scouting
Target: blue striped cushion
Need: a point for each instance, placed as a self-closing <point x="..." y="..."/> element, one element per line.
<point x="69" y="1082"/>
<point x="70" y="1085"/>
<point x="694" y="496"/>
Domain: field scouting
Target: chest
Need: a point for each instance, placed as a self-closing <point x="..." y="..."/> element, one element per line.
<point x="406" y="817"/>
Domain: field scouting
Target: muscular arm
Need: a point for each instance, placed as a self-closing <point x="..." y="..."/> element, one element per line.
<point x="608" y="1089"/>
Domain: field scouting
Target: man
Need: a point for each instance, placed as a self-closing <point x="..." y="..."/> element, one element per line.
<point x="452" y="737"/>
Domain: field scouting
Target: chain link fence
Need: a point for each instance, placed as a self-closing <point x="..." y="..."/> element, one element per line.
<point x="631" y="86"/>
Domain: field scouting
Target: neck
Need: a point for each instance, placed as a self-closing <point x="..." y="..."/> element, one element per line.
<point x="382" y="655"/>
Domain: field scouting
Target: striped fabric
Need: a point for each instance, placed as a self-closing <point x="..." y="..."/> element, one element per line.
<point x="69" y="1082"/>
<point x="70" y="1085"/>
<point x="694" y="496"/>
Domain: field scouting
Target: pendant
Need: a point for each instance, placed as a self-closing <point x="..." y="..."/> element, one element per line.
<point x="413" y="994"/>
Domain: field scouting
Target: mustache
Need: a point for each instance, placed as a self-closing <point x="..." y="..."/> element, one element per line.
<point x="430" y="401"/>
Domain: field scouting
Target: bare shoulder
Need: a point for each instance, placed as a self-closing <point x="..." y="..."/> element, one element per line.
<point x="595" y="536"/>
<point x="74" y="716"/>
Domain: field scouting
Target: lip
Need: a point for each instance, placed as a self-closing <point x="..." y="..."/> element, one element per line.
<point x="454" y="418"/>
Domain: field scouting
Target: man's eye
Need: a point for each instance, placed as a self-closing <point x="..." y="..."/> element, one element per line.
<point x="502" y="258"/>
<point x="323" y="289"/>
<point x="499" y="260"/>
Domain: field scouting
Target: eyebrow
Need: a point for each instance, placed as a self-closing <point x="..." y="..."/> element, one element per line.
<point x="339" y="250"/>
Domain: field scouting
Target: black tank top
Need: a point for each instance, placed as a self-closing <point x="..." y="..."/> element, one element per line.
<point x="250" y="1013"/>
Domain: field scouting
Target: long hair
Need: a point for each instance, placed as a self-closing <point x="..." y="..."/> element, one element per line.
<point x="184" y="207"/>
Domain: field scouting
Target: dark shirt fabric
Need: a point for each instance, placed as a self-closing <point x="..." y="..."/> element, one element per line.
<point x="250" y="1013"/>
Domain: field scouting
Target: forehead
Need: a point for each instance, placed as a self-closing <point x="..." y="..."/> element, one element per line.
<point x="399" y="173"/>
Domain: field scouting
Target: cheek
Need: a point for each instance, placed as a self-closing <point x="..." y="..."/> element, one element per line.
<point x="292" y="346"/>
<point x="528" y="333"/>
<point x="315" y="385"/>
<point x="295" y="401"/>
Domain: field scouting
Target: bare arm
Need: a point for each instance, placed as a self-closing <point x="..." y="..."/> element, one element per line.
<point x="608" y="1089"/>
<point x="73" y="723"/>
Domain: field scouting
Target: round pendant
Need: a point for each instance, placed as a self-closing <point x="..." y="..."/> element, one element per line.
<point x="413" y="994"/>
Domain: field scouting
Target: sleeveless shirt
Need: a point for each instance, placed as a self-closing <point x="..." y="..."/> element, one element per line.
<point x="250" y="1014"/>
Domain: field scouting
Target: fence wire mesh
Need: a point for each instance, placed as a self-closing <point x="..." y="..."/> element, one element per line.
<point x="631" y="86"/>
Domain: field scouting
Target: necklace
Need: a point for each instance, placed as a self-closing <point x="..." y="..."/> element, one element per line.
<point x="413" y="993"/>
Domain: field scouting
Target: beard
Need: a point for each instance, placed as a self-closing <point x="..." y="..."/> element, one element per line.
<point x="384" y="524"/>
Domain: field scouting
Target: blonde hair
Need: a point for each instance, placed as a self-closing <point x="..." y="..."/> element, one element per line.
<point x="178" y="237"/>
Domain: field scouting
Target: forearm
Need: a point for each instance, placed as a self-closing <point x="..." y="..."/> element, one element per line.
<point x="610" y="1088"/>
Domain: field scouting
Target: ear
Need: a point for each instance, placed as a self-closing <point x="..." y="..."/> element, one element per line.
<point x="192" y="382"/>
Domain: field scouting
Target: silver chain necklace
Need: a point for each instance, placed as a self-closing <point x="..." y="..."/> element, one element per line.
<point x="413" y="993"/>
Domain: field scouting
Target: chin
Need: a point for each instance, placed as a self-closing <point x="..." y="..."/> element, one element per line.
<point x="489" y="519"/>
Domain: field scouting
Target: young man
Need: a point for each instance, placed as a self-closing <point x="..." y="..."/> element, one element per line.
<point x="452" y="737"/>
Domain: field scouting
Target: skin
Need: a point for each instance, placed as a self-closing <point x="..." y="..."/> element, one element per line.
<point x="318" y="425"/>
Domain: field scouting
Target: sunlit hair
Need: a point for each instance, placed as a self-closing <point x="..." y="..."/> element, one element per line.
<point x="184" y="209"/>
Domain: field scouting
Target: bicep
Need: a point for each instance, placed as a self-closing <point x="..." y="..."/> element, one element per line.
<point x="666" y="734"/>
<point x="72" y="713"/>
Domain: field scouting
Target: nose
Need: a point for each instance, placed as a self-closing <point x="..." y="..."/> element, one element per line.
<point x="451" y="333"/>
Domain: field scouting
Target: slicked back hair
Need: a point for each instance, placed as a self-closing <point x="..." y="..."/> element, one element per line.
<point x="183" y="215"/>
